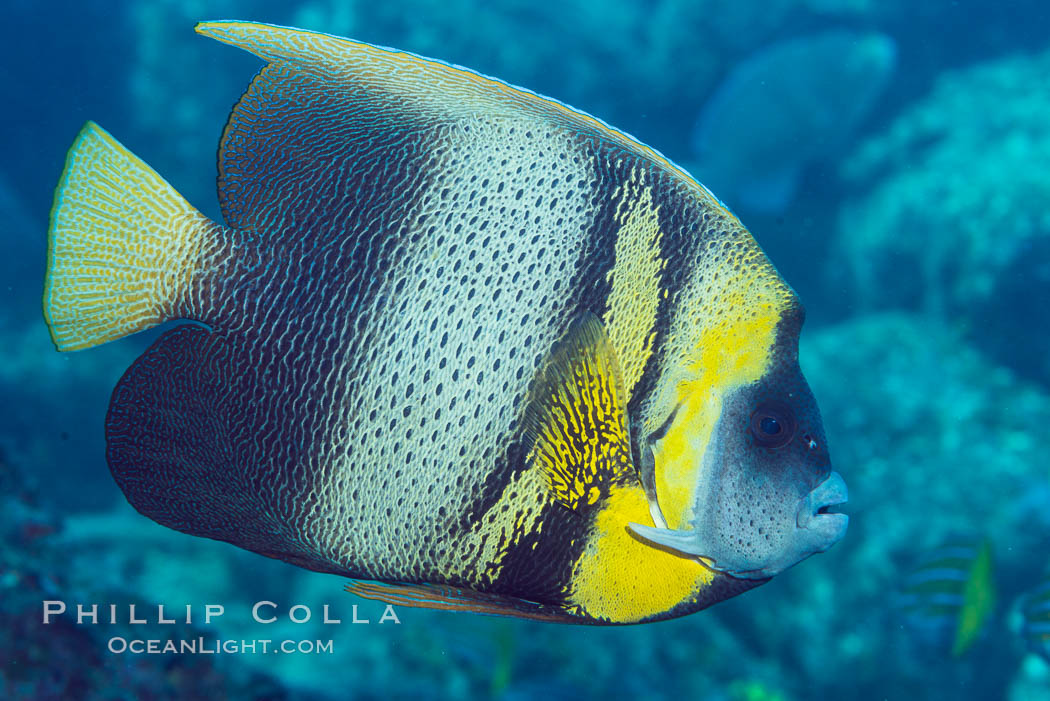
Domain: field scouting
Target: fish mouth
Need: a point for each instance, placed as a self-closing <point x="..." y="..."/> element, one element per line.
<point x="818" y="512"/>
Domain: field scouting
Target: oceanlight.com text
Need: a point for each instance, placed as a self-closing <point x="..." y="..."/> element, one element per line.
<point x="210" y="646"/>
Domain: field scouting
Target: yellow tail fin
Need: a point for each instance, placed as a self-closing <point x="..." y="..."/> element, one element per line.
<point x="123" y="245"/>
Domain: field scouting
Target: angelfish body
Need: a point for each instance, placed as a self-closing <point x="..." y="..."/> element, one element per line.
<point x="458" y="342"/>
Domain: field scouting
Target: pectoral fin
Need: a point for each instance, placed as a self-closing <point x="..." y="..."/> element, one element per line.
<point x="576" y="421"/>
<point x="647" y="476"/>
<point x="684" y="542"/>
<point x="690" y="543"/>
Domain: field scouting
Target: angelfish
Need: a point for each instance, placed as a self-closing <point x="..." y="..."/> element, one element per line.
<point x="458" y="342"/>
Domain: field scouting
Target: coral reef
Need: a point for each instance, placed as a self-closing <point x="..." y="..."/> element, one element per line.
<point x="935" y="441"/>
<point x="65" y="660"/>
<point x="955" y="212"/>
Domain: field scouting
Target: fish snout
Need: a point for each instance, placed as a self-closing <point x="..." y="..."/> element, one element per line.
<point x="825" y="527"/>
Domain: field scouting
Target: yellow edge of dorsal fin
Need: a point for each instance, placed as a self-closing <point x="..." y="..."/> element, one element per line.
<point x="272" y="43"/>
<point x="576" y="419"/>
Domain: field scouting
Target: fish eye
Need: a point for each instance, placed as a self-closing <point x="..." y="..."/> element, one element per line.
<point x="773" y="424"/>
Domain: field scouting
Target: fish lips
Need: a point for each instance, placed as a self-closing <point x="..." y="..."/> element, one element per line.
<point x="825" y="528"/>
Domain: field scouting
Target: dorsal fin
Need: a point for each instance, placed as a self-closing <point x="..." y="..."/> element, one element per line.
<point x="327" y="113"/>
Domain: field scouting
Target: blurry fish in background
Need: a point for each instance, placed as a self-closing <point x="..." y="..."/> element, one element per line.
<point x="1035" y="621"/>
<point x="949" y="597"/>
<point x="796" y="102"/>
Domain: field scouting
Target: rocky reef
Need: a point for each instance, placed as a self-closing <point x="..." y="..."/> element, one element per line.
<point x="67" y="660"/>
<point x="951" y="217"/>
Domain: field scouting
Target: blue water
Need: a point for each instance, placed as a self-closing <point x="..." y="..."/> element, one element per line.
<point x="919" y="243"/>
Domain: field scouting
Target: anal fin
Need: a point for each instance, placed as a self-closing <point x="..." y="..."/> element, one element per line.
<point x="449" y="598"/>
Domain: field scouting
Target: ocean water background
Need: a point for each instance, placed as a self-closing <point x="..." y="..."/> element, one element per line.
<point x="919" y="243"/>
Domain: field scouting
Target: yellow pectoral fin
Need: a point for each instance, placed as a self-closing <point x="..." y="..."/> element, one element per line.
<point x="576" y="420"/>
<point x="449" y="598"/>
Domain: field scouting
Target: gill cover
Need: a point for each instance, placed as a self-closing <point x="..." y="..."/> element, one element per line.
<point x="715" y="554"/>
<point x="761" y="486"/>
